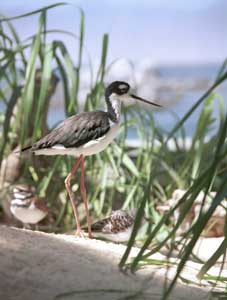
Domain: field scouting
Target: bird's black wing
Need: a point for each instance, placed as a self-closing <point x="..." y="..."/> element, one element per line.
<point x="76" y="131"/>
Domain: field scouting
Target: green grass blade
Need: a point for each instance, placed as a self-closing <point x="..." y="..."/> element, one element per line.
<point x="18" y="42"/>
<point x="33" y="12"/>
<point x="80" y="53"/>
<point x="71" y="77"/>
<point x="28" y="92"/>
<point x="42" y="99"/>
<point x="195" y="106"/>
<point x="204" y="218"/>
<point x="126" y="160"/>
<point x="104" y="56"/>
<point x="6" y="126"/>
<point x="213" y="259"/>
<point x="221" y="194"/>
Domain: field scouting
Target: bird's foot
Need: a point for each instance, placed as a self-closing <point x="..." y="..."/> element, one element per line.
<point x="90" y="235"/>
<point x="80" y="233"/>
<point x="27" y="226"/>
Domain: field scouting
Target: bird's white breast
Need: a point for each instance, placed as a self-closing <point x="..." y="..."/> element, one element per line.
<point x="28" y="215"/>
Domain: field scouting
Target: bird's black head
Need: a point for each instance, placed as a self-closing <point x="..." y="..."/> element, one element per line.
<point x="121" y="90"/>
<point x="117" y="87"/>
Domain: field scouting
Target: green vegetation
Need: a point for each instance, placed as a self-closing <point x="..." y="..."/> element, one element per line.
<point x="114" y="176"/>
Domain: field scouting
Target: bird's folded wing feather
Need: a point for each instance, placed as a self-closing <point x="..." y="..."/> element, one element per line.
<point x="103" y="225"/>
<point x="76" y="131"/>
<point x="40" y="204"/>
<point x="120" y="223"/>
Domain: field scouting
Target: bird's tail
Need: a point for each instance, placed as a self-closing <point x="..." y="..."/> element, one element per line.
<point x="22" y="150"/>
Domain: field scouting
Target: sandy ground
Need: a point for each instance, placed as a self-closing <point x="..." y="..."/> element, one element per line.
<point x="40" y="266"/>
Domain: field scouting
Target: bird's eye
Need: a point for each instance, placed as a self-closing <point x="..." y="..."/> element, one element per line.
<point x="123" y="87"/>
<point x="121" y="91"/>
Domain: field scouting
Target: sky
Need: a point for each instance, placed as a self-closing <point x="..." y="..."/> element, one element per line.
<point x="161" y="31"/>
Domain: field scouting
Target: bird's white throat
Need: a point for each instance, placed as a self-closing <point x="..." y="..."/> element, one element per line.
<point x="115" y="101"/>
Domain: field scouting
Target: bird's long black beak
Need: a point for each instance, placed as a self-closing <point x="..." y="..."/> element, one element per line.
<point x="145" y="101"/>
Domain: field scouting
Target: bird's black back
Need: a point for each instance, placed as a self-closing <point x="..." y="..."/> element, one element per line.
<point x="76" y="131"/>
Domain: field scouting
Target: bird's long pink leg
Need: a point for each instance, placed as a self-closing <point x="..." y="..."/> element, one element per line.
<point x="83" y="193"/>
<point x="70" y="192"/>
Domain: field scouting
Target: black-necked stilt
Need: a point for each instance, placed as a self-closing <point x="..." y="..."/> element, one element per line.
<point x="26" y="206"/>
<point x="85" y="134"/>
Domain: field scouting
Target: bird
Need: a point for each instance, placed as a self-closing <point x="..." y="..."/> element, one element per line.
<point x="85" y="134"/>
<point x="117" y="227"/>
<point x="26" y="206"/>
